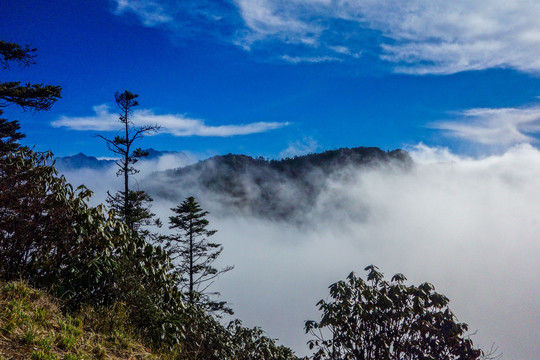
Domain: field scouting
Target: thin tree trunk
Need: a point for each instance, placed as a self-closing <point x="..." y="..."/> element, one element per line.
<point x="126" y="175"/>
<point x="191" y="299"/>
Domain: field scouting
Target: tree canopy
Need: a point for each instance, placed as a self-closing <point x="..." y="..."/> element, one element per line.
<point x="381" y="320"/>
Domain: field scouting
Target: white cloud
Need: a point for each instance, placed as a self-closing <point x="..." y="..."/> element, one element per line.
<point x="470" y="227"/>
<point x="423" y="154"/>
<point x="208" y="18"/>
<point x="340" y="49"/>
<point x="174" y="124"/>
<point x="417" y="36"/>
<point x="448" y="37"/>
<point x="420" y="36"/>
<point x="277" y="19"/>
<point x="104" y="120"/>
<point x="501" y="126"/>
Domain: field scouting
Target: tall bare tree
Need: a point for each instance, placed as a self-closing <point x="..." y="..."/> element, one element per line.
<point x="130" y="205"/>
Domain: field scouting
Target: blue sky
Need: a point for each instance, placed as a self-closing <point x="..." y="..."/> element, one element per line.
<point x="277" y="78"/>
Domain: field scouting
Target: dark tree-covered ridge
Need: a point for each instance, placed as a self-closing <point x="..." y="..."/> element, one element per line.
<point x="264" y="187"/>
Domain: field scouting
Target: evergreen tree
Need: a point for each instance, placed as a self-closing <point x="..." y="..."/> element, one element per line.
<point x="194" y="255"/>
<point x="129" y="205"/>
<point x="28" y="97"/>
<point x="9" y="135"/>
<point x="36" y="97"/>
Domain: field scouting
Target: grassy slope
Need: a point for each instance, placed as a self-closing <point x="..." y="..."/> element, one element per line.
<point x="33" y="327"/>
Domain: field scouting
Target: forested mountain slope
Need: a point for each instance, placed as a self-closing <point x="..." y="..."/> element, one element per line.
<point x="274" y="189"/>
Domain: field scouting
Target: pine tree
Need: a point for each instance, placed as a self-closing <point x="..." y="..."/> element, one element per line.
<point x="9" y="135"/>
<point x="194" y="255"/>
<point x="28" y="97"/>
<point x="130" y="205"/>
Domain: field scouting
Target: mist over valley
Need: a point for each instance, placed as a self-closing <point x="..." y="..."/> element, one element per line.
<point x="292" y="227"/>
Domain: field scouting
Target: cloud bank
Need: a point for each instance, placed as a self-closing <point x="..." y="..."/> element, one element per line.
<point x="468" y="225"/>
<point x="174" y="124"/>
<point x="416" y="36"/>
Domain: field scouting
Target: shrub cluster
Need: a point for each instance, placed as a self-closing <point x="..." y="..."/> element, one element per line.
<point x="53" y="239"/>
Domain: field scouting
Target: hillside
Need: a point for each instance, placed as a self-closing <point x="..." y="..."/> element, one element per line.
<point x="33" y="327"/>
<point x="274" y="189"/>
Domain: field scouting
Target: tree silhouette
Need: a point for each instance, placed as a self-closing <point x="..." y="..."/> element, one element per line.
<point x="130" y="205"/>
<point x="36" y="97"/>
<point x="379" y="320"/>
<point x="28" y="97"/>
<point x="194" y="255"/>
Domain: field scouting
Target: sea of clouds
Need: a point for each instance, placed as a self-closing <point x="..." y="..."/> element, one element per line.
<point x="470" y="226"/>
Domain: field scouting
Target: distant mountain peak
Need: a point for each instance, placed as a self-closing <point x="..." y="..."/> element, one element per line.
<point x="82" y="160"/>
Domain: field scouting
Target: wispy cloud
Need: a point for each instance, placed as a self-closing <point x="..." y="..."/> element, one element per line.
<point x="211" y="18"/>
<point x="309" y="59"/>
<point x="305" y="146"/>
<point x="445" y="37"/>
<point x="415" y="36"/>
<point x="174" y="124"/>
<point x="501" y="126"/>
<point x="151" y="13"/>
<point x="419" y="36"/>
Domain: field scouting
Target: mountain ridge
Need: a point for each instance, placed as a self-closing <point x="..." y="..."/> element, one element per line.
<point x="229" y="184"/>
<point x="82" y="160"/>
<point x="274" y="189"/>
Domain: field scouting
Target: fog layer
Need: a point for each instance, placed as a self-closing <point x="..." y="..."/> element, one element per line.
<point x="469" y="226"/>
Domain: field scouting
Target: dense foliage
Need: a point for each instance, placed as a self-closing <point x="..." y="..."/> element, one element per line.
<point x="51" y="238"/>
<point x="9" y="135"/>
<point x="207" y="338"/>
<point x="378" y="320"/>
